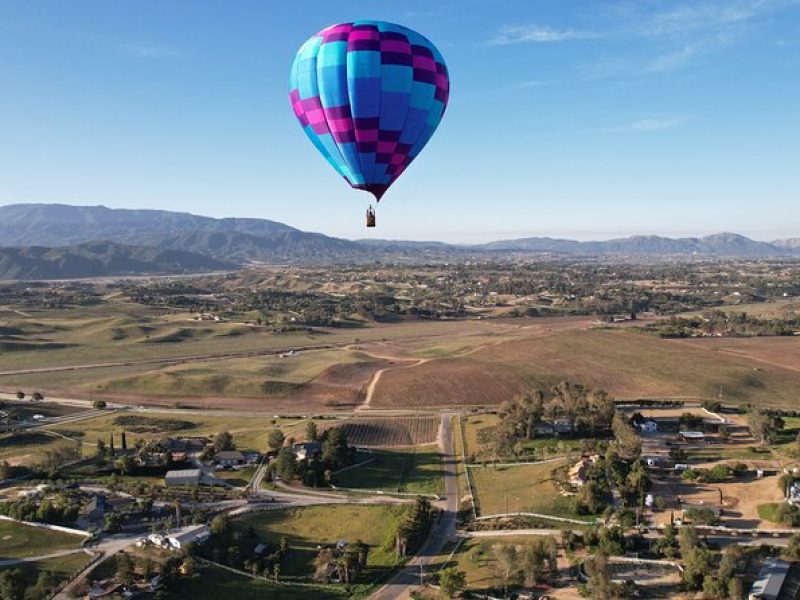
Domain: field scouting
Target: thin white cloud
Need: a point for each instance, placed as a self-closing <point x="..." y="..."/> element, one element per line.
<point x="537" y="34"/>
<point x="647" y="125"/>
<point x="671" y="61"/>
<point x="143" y="49"/>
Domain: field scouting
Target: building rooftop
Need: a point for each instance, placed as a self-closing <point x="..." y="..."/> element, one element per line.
<point x="184" y="473"/>
<point x="770" y="580"/>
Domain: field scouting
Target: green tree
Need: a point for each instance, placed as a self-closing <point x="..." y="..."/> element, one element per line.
<point x="599" y="584"/>
<point x="505" y="564"/>
<point x="697" y="565"/>
<point x="12" y="585"/>
<point x="219" y="525"/>
<point x="311" y="431"/>
<point x="113" y="522"/>
<point x="452" y="581"/>
<point x="335" y="452"/>
<point x="286" y="464"/>
<point x="20" y="395"/>
<point x="275" y="439"/>
<point x="125" y="464"/>
<point x="99" y="404"/>
<point x="224" y="441"/>
<point x="125" y="572"/>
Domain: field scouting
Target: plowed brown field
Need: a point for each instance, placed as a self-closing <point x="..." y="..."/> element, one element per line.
<point x="627" y="364"/>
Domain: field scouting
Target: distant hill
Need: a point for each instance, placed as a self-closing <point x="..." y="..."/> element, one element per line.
<point x="97" y="259"/>
<point x="182" y="242"/>
<point x="791" y="243"/>
<point x="720" y="244"/>
<point x="62" y="224"/>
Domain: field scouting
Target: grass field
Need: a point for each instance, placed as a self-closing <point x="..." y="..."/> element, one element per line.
<point x="61" y="568"/>
<point x="474" y="557"/>
<point x="28" y="447"/>
<point x="22" y="541"/>
<point x="767" y="511"/>
<point x="249" y="432"/>
<point x="526" y="488"/>
<point x="211" y="583"/>
<point x="624" y="363"/>
<point x="411" y="470"/>
<point x="239" y="477"/>
<point x="543" y="447"/>
<point x="121" y="330"/>
<point x="306" y="528"/>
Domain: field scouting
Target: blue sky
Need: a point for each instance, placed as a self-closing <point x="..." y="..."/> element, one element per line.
<point x="583" y="119"/>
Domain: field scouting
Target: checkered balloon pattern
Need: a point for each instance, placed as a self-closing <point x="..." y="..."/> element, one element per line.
<point x="369" y="95"/>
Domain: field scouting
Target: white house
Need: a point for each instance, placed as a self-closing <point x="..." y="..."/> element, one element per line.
<point x="198" y="535"/>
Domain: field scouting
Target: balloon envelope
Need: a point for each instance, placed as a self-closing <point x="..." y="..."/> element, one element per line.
<point x="369" y="95"/>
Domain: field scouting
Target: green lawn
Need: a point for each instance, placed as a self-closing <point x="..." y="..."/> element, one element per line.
<point x="212" y="583"/>
<point x="474" y="557"/>
<point x="28" y="447"/>
<point x="22" y="541"/>
<point x="307" y="528"/>
<point x="478" y="426"/>
<point x="238" y="478"/>
<point x="249" y="431"/>
<point x="416" y="470"/>
<point x="525" y="488"/>
<point x="61" y="568"/>
<point x="767" y="511"/>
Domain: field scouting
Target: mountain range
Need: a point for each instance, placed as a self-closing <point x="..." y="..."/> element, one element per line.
<point x="57" y="241"/>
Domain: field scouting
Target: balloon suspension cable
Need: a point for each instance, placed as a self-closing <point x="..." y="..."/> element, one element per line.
<point x="370" y="217"/>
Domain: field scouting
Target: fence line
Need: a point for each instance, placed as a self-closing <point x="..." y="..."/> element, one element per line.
<point x="47" y="526"/>
<point x="466" y="469"/>
<point x="538" y="516"/>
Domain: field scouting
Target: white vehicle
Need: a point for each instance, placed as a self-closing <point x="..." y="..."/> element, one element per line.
<point x="38" y="417"/>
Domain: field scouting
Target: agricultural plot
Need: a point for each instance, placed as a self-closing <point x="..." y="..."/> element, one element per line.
<point x="524" y="488"/>
<point x="781" y="352"/>
<point x="22" y="541"/>
<point x="387" y="432"/>
<point x="249" y="432"/>
<point x="211" y="583"/>
<point x="475" y="558"/>
<point x="414" y="470"/>
<point x="28" y="447"/>
<point x="309" y="527"/>
<point x="478" y="431"/>
<point x="61" y="568"/>
<point x="625" y="363"/>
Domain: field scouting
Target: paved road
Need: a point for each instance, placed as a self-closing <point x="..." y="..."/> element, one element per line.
<point x="444" y="530"/>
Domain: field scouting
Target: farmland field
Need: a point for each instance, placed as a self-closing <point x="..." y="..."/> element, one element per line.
<point x="397" y="431"/>
<point x="61" y="568"/>
<point x="211" y="583"/>
<point x="27" y="447"/>
<point x="22" y="541"/>
<point x="249" y="432"/>
<point x="526" y="488"/>
<point x="307" y="528"/>
<point x="409" y="470"/>
<point x="474" y="558"/>
<point x="770" y="351"/>
<point x="624" y="363"/>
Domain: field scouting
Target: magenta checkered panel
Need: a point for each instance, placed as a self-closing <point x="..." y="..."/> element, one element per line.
<point x="369" y="95"/>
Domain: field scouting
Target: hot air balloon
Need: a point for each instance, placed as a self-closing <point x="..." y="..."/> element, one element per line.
<point x="369" y="95"/>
